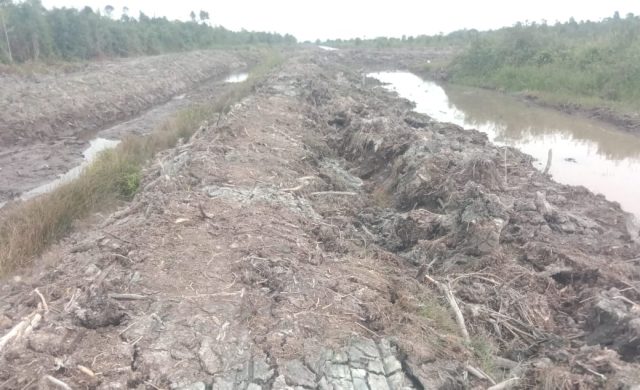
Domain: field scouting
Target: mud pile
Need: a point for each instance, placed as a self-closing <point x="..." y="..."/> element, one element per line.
<point x="45" y="106"/>
<point x="546" y="270"/>
<point x="289" y="247"/>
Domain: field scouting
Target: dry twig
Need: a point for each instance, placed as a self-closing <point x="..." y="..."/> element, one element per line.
<point x="367" y="329"/>
<point x="599" y="375"/>
<point x="44" y="302"/>
<point x="128" y="297"/>
<point x="334" y="193"/>
<point x="86" y="371"/>
<point x="505" y="384"/>
<point x="152" y="385"/>
<point x="22" y="329"/>
<point x="446" y="290"/>
<point x="479" y="374"/>
<point x="549" y="158"/>
<point x="57" y="382"/>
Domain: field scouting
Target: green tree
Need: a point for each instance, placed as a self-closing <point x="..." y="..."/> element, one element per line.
<point x="28" y="31"/>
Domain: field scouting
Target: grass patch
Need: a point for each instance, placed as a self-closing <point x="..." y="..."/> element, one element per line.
<point x="484" y="351"/>
<point x="481" y="346"/>
<point x="28" y="228"/>
<point x="439" y="316"/>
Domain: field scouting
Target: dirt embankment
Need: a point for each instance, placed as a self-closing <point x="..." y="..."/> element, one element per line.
<point x="629" y="122"/>
<point x="626" y="122"/>
<point x="50" y="106"/>
<point x="289" y="247"/>
<point x="49" y="119"/>
<point x="388" y="59"/>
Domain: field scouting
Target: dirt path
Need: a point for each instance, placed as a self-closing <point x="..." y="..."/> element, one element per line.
<point x="287" y="249"/>
<point x="43" y="134"/>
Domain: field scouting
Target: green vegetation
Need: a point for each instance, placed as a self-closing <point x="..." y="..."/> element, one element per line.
<point x="454" y="39"/>
<point x="29" y="32"/>
<point x="591" y="63"/>
<point x="439" y="316"/>
<point x="29" y="228"/>
<point x="484" y="352"/>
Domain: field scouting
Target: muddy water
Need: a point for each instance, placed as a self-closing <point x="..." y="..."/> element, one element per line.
<point x="95" y="147"/>
<point x="585" y="152"/>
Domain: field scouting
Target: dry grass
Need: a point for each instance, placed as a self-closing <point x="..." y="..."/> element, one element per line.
<point x="30" y="227"/>
<point x="553" y="378"/>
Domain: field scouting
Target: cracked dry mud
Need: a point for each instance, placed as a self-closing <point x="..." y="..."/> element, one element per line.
<point x="280" y="249"/>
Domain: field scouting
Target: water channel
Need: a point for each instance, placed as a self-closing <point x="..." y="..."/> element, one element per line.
<point x="586" y="152"/>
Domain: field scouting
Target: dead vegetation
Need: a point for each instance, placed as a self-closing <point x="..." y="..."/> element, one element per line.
<point x="29" y="227"/>
<point x="83" y="97"/>
<point x="516" y="271"/>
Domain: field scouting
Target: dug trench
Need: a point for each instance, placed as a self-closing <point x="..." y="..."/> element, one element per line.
<point x="48" y="120"/>
<point x="308" y="241"/>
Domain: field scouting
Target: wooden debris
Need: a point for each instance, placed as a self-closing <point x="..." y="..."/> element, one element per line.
<point x="505" y="384"/>
<point x="446" y="290"/>
<point x="57" y="382"/>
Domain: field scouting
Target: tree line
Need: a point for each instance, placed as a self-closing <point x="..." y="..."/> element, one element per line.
<point x="581" y="61"/>
<point x="456" y="38"/>
<point x="585" y="59"/>
<point x="30" y="32"/>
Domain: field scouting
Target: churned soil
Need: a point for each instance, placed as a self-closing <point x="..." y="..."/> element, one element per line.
<point x="310" y="239"/>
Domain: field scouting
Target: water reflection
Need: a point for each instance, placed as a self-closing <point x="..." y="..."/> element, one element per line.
<point x="586" y="152"/>
<point x="515" y="120"/>
<point x="237" y="77"/>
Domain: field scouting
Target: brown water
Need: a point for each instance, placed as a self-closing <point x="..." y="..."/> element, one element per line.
<point x="585" y="152"/>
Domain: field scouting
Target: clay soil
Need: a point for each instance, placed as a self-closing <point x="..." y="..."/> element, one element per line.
<point x="308" y="240"/>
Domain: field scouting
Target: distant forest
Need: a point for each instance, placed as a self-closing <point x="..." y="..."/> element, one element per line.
<point x="585" y="62"/>
<point x="30" y="32"/>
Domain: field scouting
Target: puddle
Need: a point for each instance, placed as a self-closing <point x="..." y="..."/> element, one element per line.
<point x="585" y="152"/>
<point x="328" y="48"/>
<point x="95" y="147"/>
<point x="237" y="77"/>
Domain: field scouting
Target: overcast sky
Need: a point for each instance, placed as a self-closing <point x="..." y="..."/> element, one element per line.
<point x="309" y="20"/>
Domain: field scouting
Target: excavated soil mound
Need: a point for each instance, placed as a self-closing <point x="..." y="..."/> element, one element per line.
<point x="45" y="106"/>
